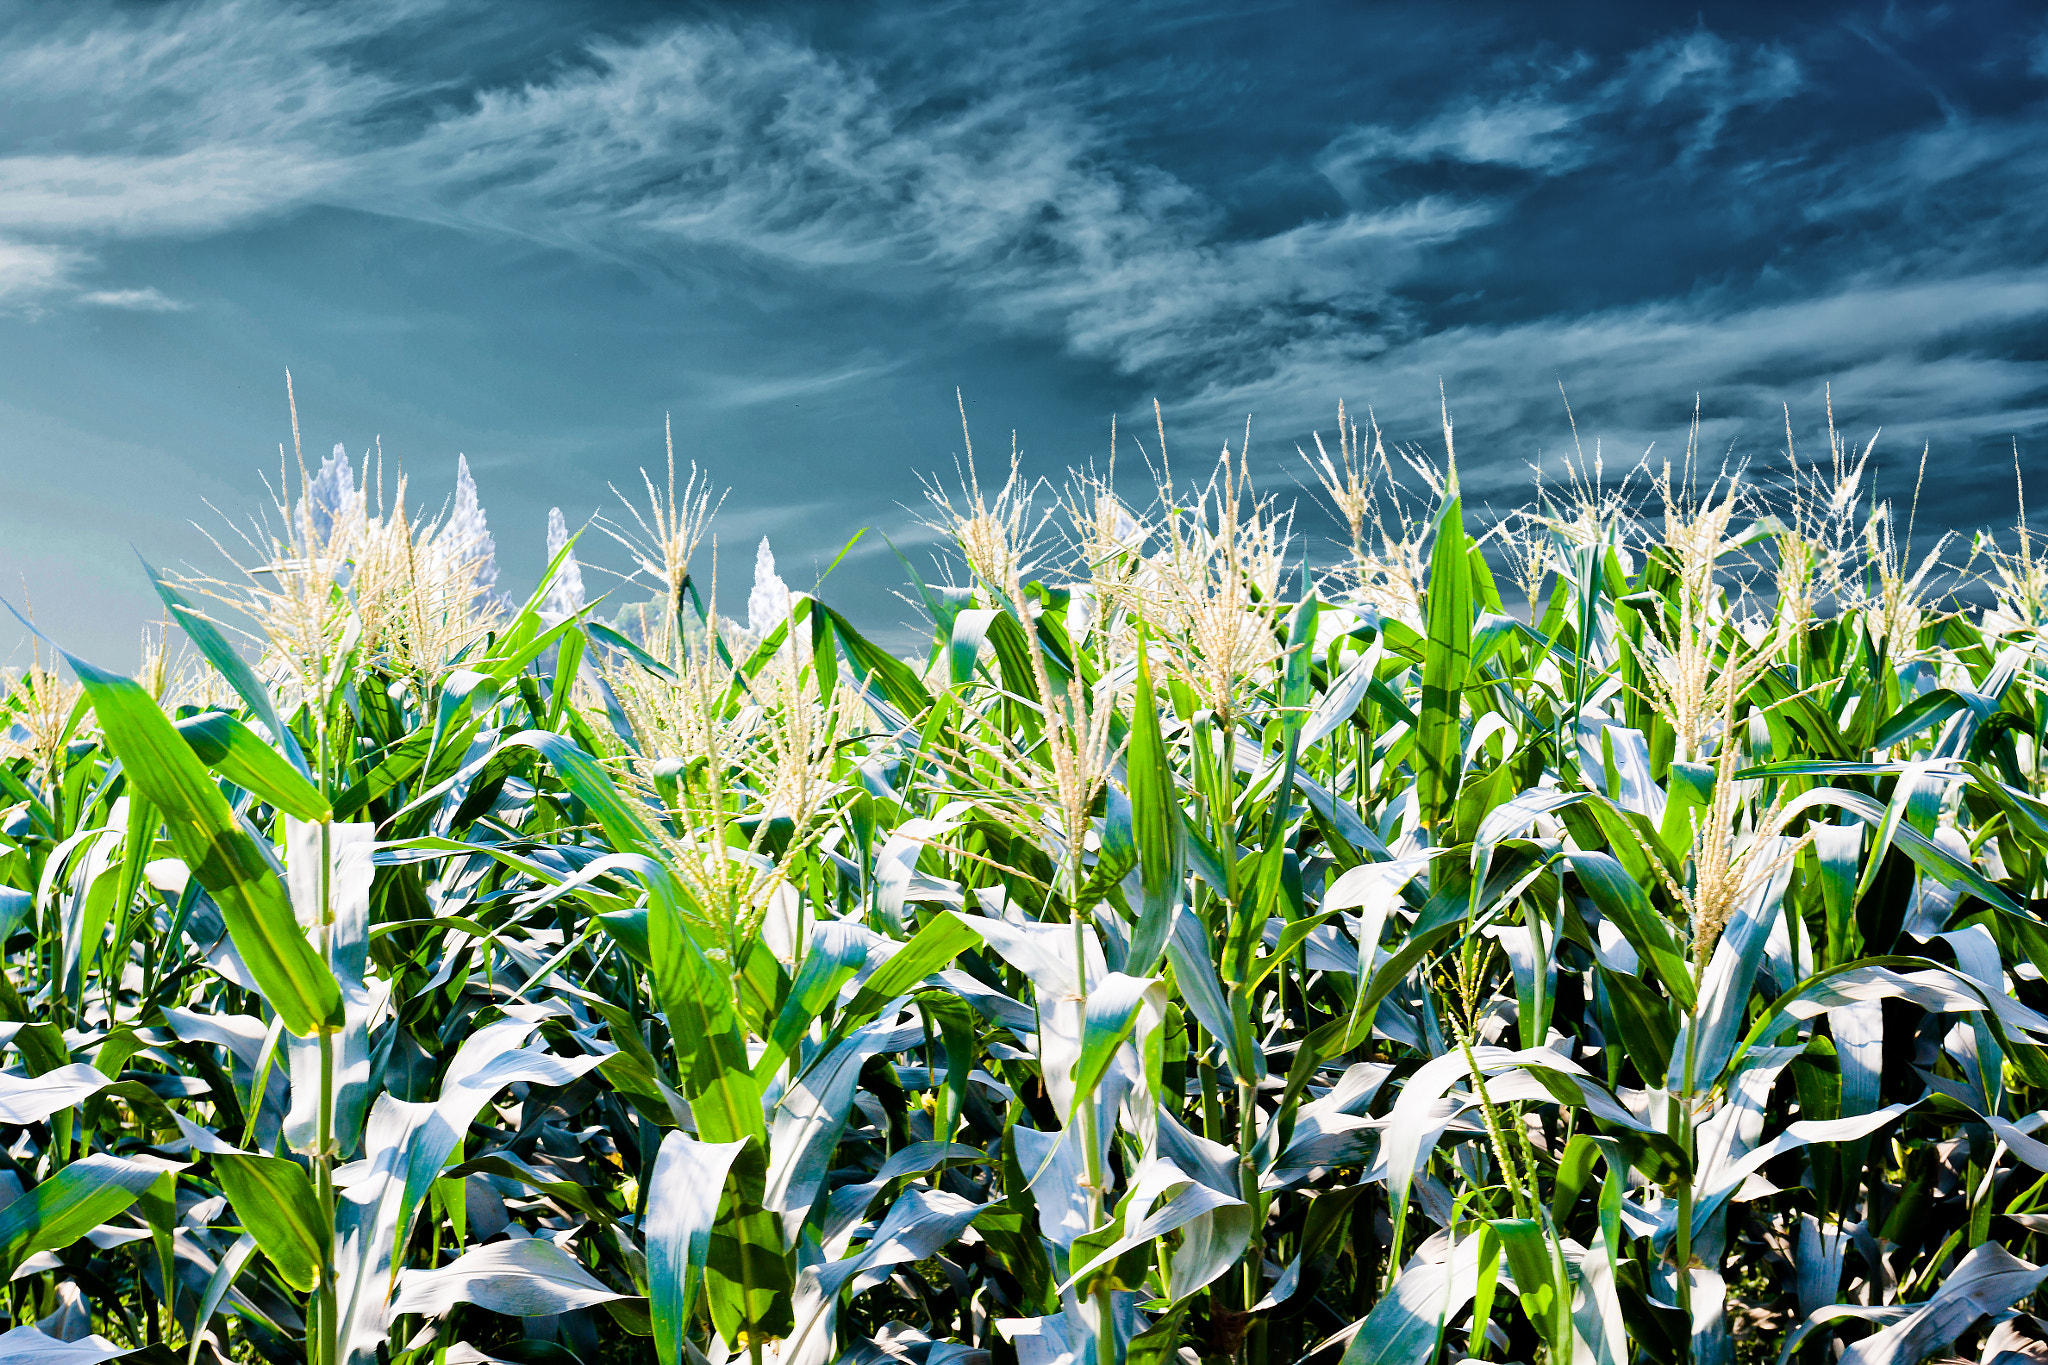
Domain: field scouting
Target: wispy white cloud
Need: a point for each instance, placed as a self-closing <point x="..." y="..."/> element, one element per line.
<point x="1555" y="117"/>
<point x="177" y="120"/>
<point x="31" y="271"/>
<point x="1533" y="132"/>
<point x="746" y="391"/>
<point x="986" y="171"/>
<point x="145" y="300"/>
<point x="1880" y="346"/>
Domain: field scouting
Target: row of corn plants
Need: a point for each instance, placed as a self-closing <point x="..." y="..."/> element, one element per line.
<point x="1605" y="933"/>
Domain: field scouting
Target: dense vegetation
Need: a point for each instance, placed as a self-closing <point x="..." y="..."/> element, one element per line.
<point x="1607" y="933"/>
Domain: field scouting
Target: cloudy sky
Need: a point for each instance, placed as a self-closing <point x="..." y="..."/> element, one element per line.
<point x="528" y="231"/>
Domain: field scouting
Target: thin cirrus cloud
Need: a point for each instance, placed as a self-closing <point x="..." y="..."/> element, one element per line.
<point x="148" y="299"/>
<point x="1547" y="123"/>
<point x="988" y="167"/>
<point x="177" y="121"/>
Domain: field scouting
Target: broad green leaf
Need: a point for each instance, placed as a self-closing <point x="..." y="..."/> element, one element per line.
<point x="31" y="1099"/>
<point x="237" y="753"/>
<point x="1838" y="852"/>
<point x="1988" y="1280"/>
<point x="220" y="854"/>
<point x="275" y="1203"/>
<point x="682" y="1203"/>
<point x="1408" y="1322"/>
<point x="834" y="955"/>
<point x="73" y="1202"/>
<point x="1540" y="1280"/>
<point x="217" y="1286"/>
<point x="627" y="823"/>
<point x="1113" y="1004"/>
<point x="876" y="667"/>
<point x="1202" y="1259"/>
<point x="711" y="1055"/>
<point x="969" y="634"/>
<point x="1621" y="899"/>
<point x="1341" y="700"/>
<point x="933" y="947"/>
<point x="1933" y="859"/>
<point x="32" y="1346"/>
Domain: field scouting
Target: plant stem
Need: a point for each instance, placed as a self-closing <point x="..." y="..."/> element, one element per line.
<point x="329" y="1331"/>
<point x="1248" y="1190"/>
<point x="327" y="1334"/>
<point x="1681" y="1133"/>
<point x="1105" y="1329"/>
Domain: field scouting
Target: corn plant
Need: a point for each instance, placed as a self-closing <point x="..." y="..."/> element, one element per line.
<point x="1187" y="951"/>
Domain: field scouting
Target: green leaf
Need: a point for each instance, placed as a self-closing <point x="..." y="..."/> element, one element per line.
<point x="627" y="823"/>
<point x="969" y="634"/>
<point x="1574" y="1168"/>
<point x="1113" y="1005"/>
<point x="221" y="855"/>
<point x="1341" y="699"/>
<point x="1157" y="827"/>
<point x="275" y="1202"/>
<point x="683" y="1197"/>
<point x="237" y="753"/>
<point x="1838" y="850"/>
<point x="834" y="955"/>
<point x="1439" y="741"/>
<point x="1292" y="936"/>
<point x="217" y="1286"/>
<point x="943" y="938"/>
<point x="1407" y="1324"/>
<point x="1691" y="788"/>
<point x="1648" y="1028"/>
<point x="704" y="1024"/>
<point x="1540" y="1280"/>
<point x="201" y="631"/>
<point x="897" y="682"/>
<point x="1889" y="822"/>
<point x="1622" y="900"/>
<point x="611" y="639"/>
<point x="72" y="1203"/>
<point x="1297" y="673"/>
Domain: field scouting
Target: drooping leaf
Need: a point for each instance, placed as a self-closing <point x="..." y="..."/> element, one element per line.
<point x="71" y="1203"/>
<point x="238" y="754"/>
<point x="275" y="1203"/>
<point x="682" y="1201"/>
<point x="31" y="1099"/>
<point x="220" y="854"/>
<point x="524" y="1277"/>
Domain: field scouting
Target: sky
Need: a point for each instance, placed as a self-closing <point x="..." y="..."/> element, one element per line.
<point x="531" y="233"/>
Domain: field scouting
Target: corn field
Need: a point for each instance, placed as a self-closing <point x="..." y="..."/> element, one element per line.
<point x="1608" y="932"/>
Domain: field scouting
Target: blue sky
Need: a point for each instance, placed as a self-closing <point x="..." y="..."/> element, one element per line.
<point x="526" y="232"/>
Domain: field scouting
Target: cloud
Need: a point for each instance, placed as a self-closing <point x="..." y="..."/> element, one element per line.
<point x="746" y="391"/>
<point x="1554" y="118"/>
<point x="1532" y="132"/>
<point x="747" y="140"/>
<point x="32" y="271"/>
<point x="175" y="120"/>
<point x="144" y="300"/>
<point x="983" y="170"/>
<point x="1632" y="374"/>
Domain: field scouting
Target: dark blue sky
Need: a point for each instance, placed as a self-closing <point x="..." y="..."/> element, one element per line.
<point x="527" y="231"/>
